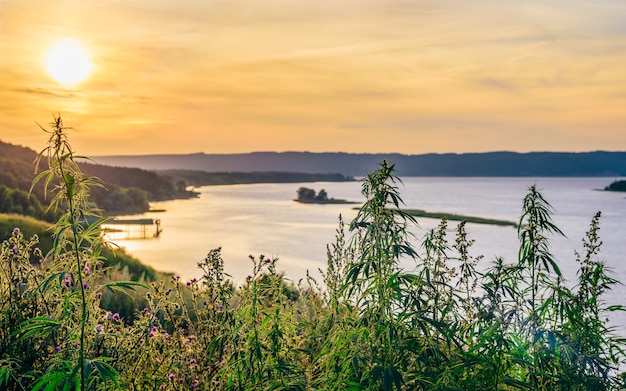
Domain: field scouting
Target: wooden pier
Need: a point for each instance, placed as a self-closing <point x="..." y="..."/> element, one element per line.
<point x="129" y="226"/>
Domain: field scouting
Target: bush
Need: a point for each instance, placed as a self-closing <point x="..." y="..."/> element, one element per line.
<point x="439" y="325"/>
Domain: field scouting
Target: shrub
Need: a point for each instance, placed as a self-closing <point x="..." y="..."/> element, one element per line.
<point x="441" y="323"/>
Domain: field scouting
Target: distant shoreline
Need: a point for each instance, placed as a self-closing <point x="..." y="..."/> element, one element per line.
<point x="457" y="217"/>
<point x="328" y="201"/>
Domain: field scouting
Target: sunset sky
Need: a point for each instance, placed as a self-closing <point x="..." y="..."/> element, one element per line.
<point x="408" y="76"/>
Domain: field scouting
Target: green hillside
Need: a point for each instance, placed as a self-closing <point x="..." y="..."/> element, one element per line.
<point x="126" y="190"/>
<point x="30" y="227"/>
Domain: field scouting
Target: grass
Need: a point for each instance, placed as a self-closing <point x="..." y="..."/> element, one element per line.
<point x="443" y="323"/>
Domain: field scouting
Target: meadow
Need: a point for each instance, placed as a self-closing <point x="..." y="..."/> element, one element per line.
<point x="367" y="324"/>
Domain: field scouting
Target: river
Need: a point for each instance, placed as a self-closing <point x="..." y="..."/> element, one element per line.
<point x="263" y="219"/>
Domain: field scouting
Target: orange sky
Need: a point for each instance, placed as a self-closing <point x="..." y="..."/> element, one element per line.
<point x="408" y="76"/>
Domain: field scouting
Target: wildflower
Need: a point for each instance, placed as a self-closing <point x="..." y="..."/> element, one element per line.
<point x="16" y="230"/>
<point x="268" y="260"/>
<point x="98" y="328"/>
<point x="181" y="380"/>
<point x="36" y="251"/>
<point x="171" y="376"/>
<point x="99" y="295"/>
<point x="57" y="348"/>
<point x="193" y="361"/>
<point x="85" y="285"/>
<point x="250" y="256"/>
<point x="188" y="283"/>
<point x="14" y="249"/>
<point x="249" y="277"/>
<point x="90" y="250"/>
<point x="86" y="269"/>
<point x="221" y="307"/>
<point x="115" y="316"/>
<point x="146" y="310"/>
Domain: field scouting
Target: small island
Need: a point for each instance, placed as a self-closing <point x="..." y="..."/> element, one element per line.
<point x="308" y="196"/>
<point x="617" y="186"/>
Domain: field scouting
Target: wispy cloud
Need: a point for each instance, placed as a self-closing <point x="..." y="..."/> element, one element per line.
<point x="368" y="75"/>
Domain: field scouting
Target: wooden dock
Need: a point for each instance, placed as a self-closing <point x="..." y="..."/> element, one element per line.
<point x="129" y="226"/>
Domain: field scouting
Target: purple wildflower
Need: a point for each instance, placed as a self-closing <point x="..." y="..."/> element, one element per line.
<point x="57" y="348"/>
<point x="193" y="361"/>
<point x="171" y="376"/>
<point x="16" y="230"/>
<point x="115" y="316"/>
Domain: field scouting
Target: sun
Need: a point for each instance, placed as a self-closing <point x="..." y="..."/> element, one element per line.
<point x="68" y="62"/>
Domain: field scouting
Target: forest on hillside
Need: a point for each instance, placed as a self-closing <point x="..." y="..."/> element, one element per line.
<point x="123" y="190"/>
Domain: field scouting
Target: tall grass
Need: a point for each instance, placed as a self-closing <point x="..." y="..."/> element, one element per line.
<point x="444" y="322"/>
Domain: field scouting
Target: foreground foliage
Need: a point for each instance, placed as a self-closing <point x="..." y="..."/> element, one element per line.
<point x="387" y="316"/>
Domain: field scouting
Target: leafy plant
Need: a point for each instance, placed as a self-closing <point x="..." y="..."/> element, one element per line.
<point x="391" y="313"/>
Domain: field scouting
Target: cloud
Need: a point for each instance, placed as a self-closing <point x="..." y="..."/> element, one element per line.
<point x="45" y="92"/>
<point x="234" y="76"/>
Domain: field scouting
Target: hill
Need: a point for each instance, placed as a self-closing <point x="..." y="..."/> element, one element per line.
<point x="505" y="164"/>
<point x="126" y="190"/>
<point x="203" y="178"/>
